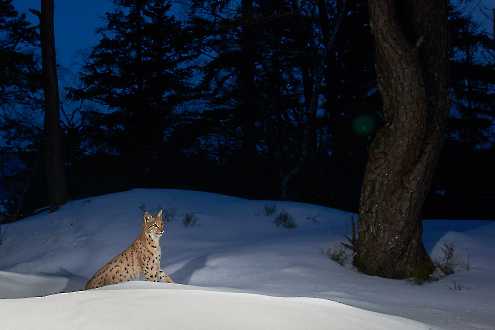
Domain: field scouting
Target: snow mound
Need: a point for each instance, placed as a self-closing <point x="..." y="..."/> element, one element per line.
<point x="14" y="285"/>
<point x="188" y="309"/>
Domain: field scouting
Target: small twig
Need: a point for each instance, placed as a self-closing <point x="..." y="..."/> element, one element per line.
<point x="419" y="42"/>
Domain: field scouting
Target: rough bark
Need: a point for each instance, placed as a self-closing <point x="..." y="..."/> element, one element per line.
<point x="411" y="64"/>
<point x="55" y="171"/>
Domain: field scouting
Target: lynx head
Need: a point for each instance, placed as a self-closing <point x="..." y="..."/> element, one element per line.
<point x="154" y="224"/>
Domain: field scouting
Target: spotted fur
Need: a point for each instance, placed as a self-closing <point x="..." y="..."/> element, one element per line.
<point x="140" y="260"/>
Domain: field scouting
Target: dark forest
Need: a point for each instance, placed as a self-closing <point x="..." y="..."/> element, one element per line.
<point x="260" y="99"/>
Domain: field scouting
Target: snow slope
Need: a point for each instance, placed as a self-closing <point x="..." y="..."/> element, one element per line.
<point x="234" y="249"/>
<point x="176" y="308"/>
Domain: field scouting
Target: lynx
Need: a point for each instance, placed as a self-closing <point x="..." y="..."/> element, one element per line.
<point x="140" y="260"/>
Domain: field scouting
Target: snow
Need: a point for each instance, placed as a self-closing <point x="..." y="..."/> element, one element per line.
<point x="177" y="308"/>
<point x="235" y="270"/>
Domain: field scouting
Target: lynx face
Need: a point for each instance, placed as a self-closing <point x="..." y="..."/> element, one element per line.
<point x="154" y="225"/>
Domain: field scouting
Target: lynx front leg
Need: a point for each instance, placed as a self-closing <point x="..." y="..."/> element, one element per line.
<point x="164" y="277"/>
<point x="150" y="275"/>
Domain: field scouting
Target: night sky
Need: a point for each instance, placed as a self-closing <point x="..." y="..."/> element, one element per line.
<point x="75" y="25"/>
<point x="76" y="22"/>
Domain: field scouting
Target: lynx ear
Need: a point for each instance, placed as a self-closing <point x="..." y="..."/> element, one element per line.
<point x="159" y="215"/>
<point x="146" y="217"/>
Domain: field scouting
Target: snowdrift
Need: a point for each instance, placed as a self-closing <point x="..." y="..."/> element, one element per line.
<point x="189" y="309"/>
<point x="231" y="251"/>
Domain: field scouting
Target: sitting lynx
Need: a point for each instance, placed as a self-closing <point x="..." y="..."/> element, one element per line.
<point x="140" y="259"/>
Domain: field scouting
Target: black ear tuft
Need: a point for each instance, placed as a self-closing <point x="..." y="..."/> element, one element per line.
<point x="146" y="216"/>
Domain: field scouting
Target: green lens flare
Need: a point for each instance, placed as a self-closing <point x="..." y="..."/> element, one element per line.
<point x="363" y="125"/>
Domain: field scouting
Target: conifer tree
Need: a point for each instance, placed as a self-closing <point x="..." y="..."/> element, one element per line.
<point x="472" y="82"/>
<point x="19" y="69"/>
<point x="139" y="70"/>
<point x="19" y="102"/>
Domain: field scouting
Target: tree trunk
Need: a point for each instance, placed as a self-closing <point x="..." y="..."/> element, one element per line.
<point x="276" y="132"/>
<point x="330" y="56"/>
<point x="412" y="69"/>
<point x="310" y="66"/>
<point x="55" y="171"/>
<point x="247" y="76"/>
<point x="247" y="86"/>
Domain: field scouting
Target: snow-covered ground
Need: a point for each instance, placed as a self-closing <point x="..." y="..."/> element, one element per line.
<point x="235" y="270"/>
<point x="179" y="308"/>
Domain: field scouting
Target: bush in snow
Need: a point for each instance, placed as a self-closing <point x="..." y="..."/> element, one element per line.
<point x="448" y="262"/>
<point x="451" y="260"/>
<point x="8" y="213"/>
<point x="269" y="210"/>
<point x="169" y="214"/>
<point x="446" y="265"/>
<point x="456" y="286"/>
<point x="337" y="254"/>
<point x="190" y="219"/>
<point x="284" y="219"/>
<point x="351" y="242"/>
<point x="423" y="275"/>
<point x="313" y="218"/>
<point x="468" y="263"/>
